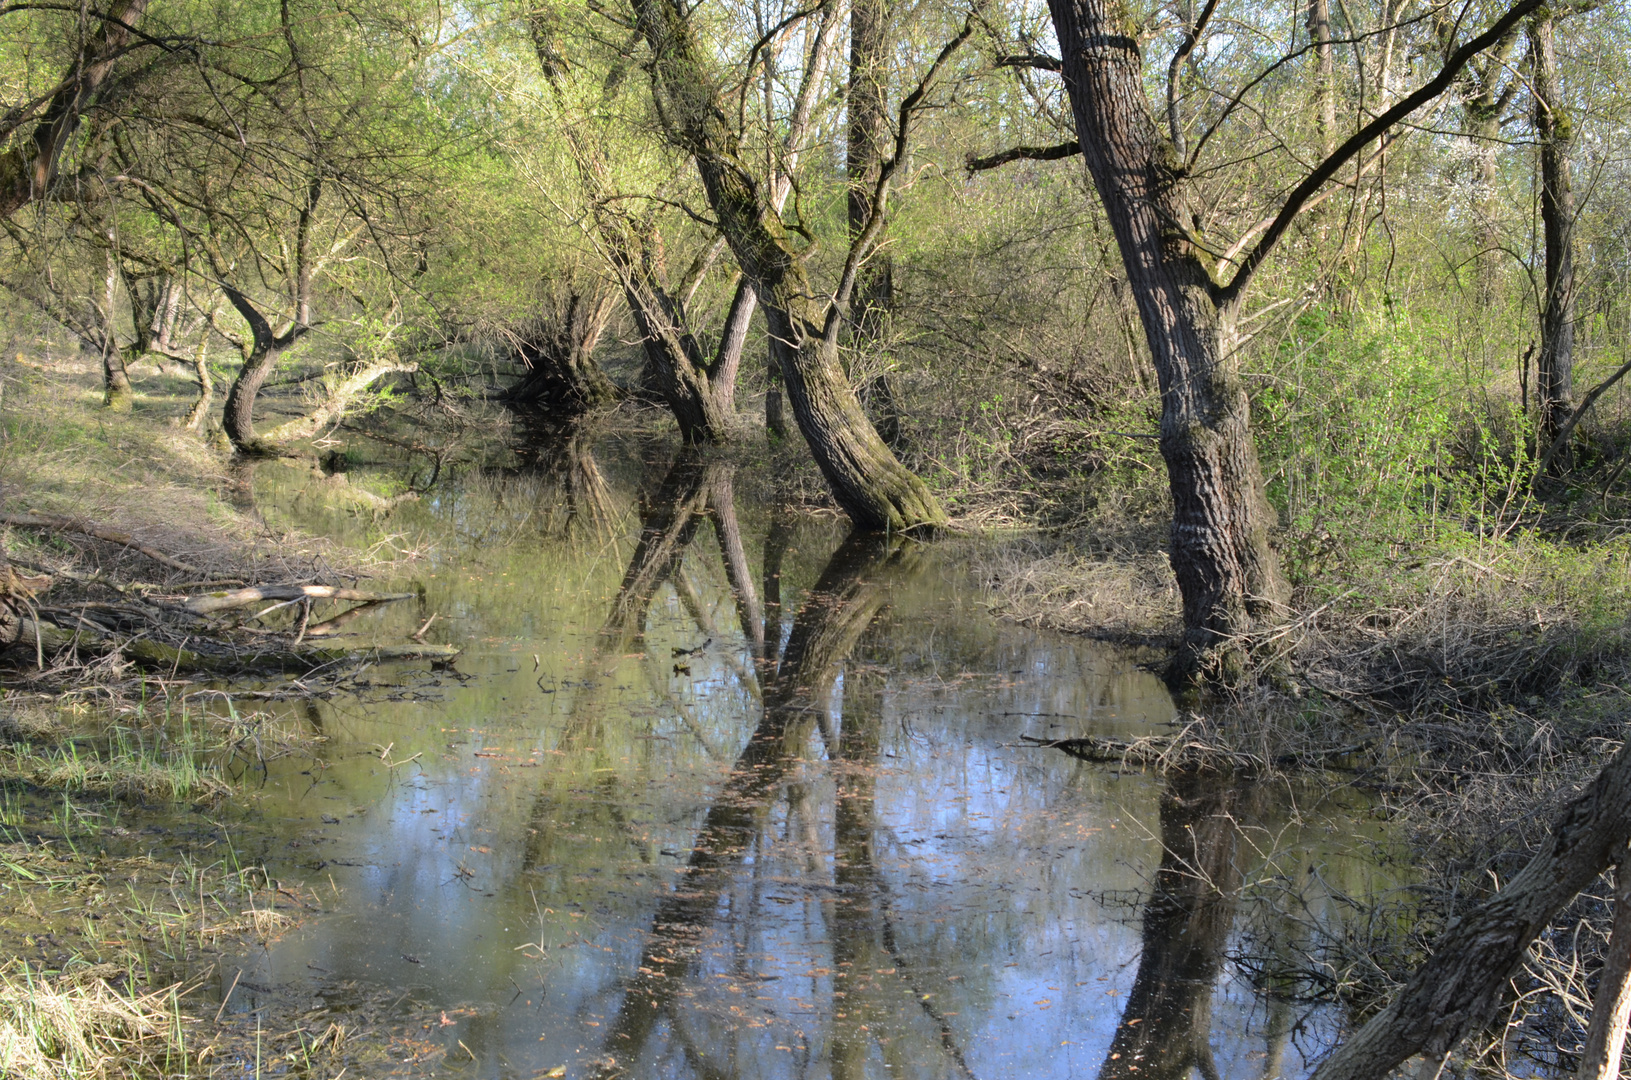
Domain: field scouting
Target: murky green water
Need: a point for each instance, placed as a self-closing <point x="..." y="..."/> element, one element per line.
<point x="715" y="791"/>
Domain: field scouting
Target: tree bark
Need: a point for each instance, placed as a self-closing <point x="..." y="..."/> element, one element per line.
<point x="29" y="169"/>
<point x="1325" y="98"/>
<point x="868" y="133"/>
<point x="867" y="480"/>
<point x="701" y="394"/>
<point x="1611" y="1008"/>
<point x="238" y="416"/>
<point x="1227" y="572"/>
<point x="558" y="349"/>
<point x="1457" y="990"/>
<point x="1555" y="366"/>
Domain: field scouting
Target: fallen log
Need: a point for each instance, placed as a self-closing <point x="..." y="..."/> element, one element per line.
<point x="209" y="603"/>
<point x="48" y="637"/>
<point x="95" y="532"/>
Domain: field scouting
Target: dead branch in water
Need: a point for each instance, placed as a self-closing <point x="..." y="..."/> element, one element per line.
<point x="209" y="603"/>
<point x="223" y="658"/>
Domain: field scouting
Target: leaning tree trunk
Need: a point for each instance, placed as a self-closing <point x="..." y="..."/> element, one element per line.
<point x="29" y="168"/>
<point x="866" y="478"/>
<point x="238" y="416"/>
<point x="1555" y="369"/>
<point x="1456" y="992"/>
<point x="1227" y="572"/>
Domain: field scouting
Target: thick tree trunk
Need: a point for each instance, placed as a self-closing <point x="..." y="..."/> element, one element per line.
<point x="1456" y="992"/>
<point x="867" y="480"/>
<point x="238" y="416"/>
<point x="1228" y="574"/>
<point x="558" y="349"/>
<point x="1555" y="367"/>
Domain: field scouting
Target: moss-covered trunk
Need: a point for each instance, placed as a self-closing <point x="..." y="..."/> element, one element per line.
<point x="867" y="480"/>
<point x="558" y="349"/>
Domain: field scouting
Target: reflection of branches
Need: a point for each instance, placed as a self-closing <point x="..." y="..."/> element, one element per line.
<point x="722" y="506"/>
<point x="843" y="603"/>
<point x="565" y="454"/>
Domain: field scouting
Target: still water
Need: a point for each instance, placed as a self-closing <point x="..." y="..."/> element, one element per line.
<point x="716" y="790"/>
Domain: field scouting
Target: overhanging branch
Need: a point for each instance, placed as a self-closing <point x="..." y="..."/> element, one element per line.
<point x="1299" y="197"/>
<point x="1024" y="153"/>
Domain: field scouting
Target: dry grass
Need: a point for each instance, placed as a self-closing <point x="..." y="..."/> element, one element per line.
<point x="82" y="1028"/>
<point x="62" y="453"/>
<point x="1128" y="597"/>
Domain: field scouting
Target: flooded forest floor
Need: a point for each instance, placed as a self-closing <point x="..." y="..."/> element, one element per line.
<point x="598" y="757"/>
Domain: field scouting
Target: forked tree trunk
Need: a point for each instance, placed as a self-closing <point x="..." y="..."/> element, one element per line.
<point x="1227" y="572"/>
<point x="867" y="480"/>
<point x="1555" y="367"/>
<point x="700" y="393"/>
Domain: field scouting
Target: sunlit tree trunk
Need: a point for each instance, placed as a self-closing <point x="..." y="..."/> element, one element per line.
<point x="1227" y="572"/>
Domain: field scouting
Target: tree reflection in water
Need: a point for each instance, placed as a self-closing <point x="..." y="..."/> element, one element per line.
<point x="797" y="700"/>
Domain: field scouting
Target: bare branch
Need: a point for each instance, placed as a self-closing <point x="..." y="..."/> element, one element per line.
<point x="1362" y="138"/>
<point x="1056" y="152"/>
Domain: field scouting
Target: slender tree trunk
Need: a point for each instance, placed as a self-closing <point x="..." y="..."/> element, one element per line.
<point x="206" y="384"/>
<point x="1228" y="574"/>
<point x="1611" y="1009"/>
<point x="1555" y="368"/>
<point x="868" y="107"/>
<point x="116" y="390"/>
<point x="1325" y="98"/>
<point x="866" y="478"/>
